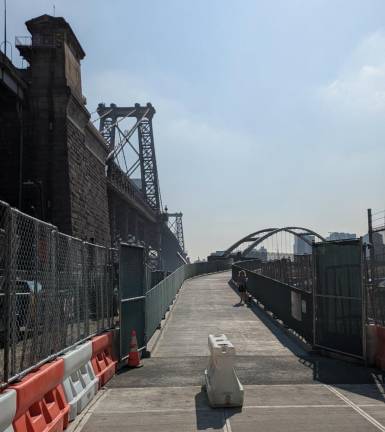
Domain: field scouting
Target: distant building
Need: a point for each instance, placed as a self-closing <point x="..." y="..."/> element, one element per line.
<point x="341" y="236"/>
<point x="301" y="247"/>
<point x="217" y="253"/>
<point x="260" y="253"/>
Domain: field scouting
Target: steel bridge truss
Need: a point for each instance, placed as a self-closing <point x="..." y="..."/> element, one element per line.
<point x="119" y="141"/>
<point x="254" y="239"/>
<point x="175" y="225"/>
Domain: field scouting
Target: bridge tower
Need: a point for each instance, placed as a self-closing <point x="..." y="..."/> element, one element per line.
<point x="109" y="127"/>
<point x="176" y="226"/>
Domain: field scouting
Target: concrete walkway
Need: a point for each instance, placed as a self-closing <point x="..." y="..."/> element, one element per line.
<point x="286" y="388"/>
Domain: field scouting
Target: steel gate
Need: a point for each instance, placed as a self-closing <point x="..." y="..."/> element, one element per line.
<point x="132" y="294"/>
<point x="338" y="297"/>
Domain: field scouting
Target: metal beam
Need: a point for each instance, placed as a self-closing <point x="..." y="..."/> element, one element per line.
<point x="286" y="229"/>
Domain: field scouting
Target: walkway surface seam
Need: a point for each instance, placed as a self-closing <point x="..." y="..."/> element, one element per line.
<point x="286" y="388"/>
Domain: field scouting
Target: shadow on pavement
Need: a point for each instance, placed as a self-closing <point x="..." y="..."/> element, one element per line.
<point x="326" y="370"/>
<point x="211" y="418"/>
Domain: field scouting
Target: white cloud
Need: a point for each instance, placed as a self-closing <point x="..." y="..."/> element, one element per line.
<point x="359" y="88"/>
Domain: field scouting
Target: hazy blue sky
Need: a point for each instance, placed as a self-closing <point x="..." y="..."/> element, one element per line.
<point x="268" y="112"/>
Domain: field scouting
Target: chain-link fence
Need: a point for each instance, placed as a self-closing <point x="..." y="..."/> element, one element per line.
<point x="55" y="291"/>
<point x="375" y="267"/>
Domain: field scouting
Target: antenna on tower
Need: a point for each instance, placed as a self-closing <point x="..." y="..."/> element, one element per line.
<point x="54" y="10"/>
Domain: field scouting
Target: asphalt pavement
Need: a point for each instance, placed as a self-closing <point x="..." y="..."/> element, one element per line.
<point x="287" y="388"/>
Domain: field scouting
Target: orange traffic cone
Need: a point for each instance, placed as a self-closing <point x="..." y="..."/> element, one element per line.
<point x="134" y="356"/>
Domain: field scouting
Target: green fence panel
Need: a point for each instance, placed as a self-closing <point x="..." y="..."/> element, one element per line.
<point x="132" y="286"/>
<point x="339" y="307"/>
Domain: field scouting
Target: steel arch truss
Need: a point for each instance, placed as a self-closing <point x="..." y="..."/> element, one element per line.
<point x="257" y="237"/>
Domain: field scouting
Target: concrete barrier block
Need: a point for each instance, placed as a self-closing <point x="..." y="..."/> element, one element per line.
<point x="80" y="383"/>
<point x="7" y="410"/>
<point x="41" y="405"/>
<point x="222" y="384"/>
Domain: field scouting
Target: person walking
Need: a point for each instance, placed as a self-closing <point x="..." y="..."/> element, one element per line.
<point x="242" y="285"/>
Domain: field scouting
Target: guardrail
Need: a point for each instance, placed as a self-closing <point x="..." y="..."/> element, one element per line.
<point x="55" y="291"/>
<point x="293" y="306"/>
<point x="160" y="297"/>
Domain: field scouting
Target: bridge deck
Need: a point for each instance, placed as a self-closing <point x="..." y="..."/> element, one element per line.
<point x="286" y="388"/>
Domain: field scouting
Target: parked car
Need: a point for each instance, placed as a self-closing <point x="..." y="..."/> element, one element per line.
<point x="26" y="297"/>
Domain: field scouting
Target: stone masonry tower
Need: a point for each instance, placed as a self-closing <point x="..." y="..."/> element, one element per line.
<point x="66" y="154"/>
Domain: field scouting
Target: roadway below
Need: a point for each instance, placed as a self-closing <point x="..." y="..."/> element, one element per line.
<point x="286" y="388"/>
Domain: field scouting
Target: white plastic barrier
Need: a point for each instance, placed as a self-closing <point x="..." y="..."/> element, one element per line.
<point x="222" y="384"/>
<point x="7" y="410"/>
<point x="79" y="383"/>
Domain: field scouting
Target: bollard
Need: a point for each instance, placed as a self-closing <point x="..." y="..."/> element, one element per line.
<point x="222" y="384"/>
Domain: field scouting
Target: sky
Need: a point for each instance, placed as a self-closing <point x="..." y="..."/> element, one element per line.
<point x="269" y="112"/>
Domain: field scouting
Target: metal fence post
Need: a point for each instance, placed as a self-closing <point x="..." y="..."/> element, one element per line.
<point x="371" y="280"/>
<point x="56" y="302"/>
<point x="85" y="286"/>
<point x="73" y="262"/>
<point x="12" y="288"/>
<point x="8" y="233"/>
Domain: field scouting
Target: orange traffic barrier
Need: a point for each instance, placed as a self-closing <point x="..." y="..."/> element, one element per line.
<point x="134" y="355"/>
<point x="41" y="404"/>
<point x="380" y="350"/>
<point x="102" y="359"/>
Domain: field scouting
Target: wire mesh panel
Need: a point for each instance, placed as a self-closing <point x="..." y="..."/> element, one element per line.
<point x="55" y="291"/>
<point x="375" y="267"/>
<point x="96" y="281"/>
<point x="4" y="290"/>
<point x="32" y="289"/>
<point x="71" y="297"/>
<point x="113" y="286"/>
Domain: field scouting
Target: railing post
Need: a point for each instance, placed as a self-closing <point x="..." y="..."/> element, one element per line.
<point x="85" y="287"/>
<point x="54" y="300"/>
<point x="14" y="247"/>
<point x="371" y="284"/>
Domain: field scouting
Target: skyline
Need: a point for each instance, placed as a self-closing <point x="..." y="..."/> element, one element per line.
<point x="250" y="131"/>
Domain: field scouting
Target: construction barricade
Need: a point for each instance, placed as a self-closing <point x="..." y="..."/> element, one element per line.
<point x="102" y="358"/>
<point x="222" y="384"/>
<point x="80" y="383"/>
<point x="41" y="403"/>
<point x="7" y="410"/>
